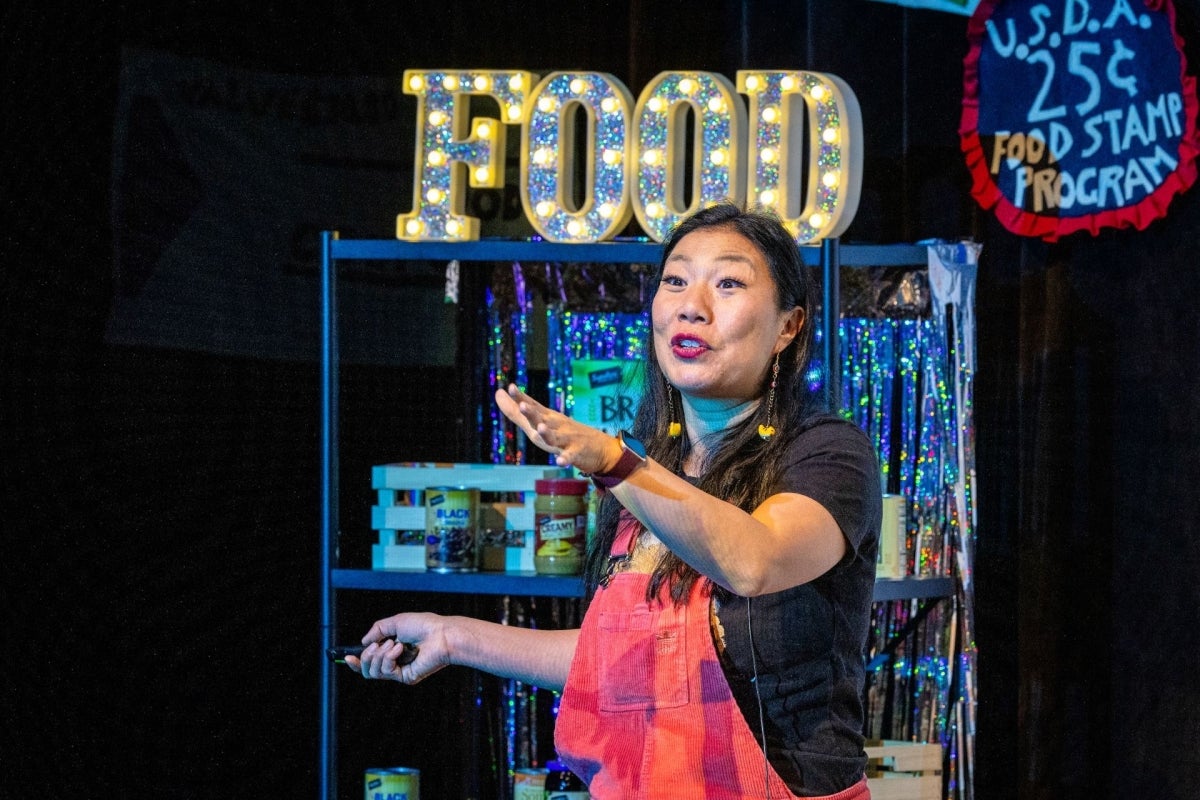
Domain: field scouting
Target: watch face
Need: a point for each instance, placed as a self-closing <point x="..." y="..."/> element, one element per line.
<point x="633" y="444"/>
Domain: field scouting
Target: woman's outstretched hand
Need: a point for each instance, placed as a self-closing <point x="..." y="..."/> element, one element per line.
<point x="572" y="443"/>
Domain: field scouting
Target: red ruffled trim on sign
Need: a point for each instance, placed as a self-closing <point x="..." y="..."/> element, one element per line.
<point x="989" y="195"/>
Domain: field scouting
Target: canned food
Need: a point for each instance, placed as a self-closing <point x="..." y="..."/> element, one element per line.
<point x="451" y="523"/>
<point x="562" y="784"/>
<point x="560" y="525"/>
<point x="392" y="783"/>
<point x="529" y="783"/>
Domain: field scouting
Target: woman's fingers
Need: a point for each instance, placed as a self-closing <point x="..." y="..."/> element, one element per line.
<point x="518" y="408"/>
<point x="536" y="420"/>
<point x="380" y="660"/>
<point x="571" y="442"/>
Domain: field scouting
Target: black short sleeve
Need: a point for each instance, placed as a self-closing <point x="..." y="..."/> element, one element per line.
<point x="833" y="462"/>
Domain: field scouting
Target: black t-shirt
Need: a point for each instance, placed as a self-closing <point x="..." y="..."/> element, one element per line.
<point x="809" y="641"/>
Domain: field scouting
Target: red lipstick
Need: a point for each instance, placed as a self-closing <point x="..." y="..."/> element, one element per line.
<point x="686" y="345"/>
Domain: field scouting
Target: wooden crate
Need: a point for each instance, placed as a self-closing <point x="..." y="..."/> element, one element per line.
<point x="904" y="770"/>
<point x="398" y="508"/>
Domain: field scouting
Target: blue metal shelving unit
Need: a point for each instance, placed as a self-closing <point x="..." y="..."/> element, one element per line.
<point x="829" y="256"/>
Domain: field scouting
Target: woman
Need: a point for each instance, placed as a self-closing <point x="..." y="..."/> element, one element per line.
<point x="721" y="655"/>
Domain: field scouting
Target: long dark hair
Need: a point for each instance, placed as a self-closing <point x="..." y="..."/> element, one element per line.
<point x="742" y="467"/>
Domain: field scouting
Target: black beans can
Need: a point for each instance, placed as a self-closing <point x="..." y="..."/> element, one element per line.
<point x="451" y="528"/>
<point x="392" y="783"/>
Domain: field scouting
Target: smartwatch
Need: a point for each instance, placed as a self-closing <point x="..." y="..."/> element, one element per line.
<point x="633" y="455"/>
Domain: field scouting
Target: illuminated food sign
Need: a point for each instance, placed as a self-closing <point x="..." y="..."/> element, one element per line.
<point x="634" y="164"/>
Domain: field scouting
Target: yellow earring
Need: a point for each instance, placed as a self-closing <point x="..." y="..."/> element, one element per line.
<point x="768" y="430"/>
<point x="674" y="429"/>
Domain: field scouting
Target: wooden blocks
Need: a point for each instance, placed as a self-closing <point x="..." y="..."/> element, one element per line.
<point x="904" y="770"/>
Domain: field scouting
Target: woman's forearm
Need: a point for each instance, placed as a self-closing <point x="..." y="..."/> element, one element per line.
<point x="788" y="540"/>
<point x="538" y="657"/>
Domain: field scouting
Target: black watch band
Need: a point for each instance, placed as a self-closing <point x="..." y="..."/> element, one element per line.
<point x="633" y="455"/>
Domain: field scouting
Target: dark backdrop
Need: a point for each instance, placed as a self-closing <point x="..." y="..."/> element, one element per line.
<point x="159" y="520"/>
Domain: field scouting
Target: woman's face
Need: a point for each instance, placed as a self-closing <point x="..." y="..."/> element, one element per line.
<point x="715" y="320"/>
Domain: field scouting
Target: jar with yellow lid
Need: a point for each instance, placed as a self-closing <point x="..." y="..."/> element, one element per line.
<point x="560" y="525"/>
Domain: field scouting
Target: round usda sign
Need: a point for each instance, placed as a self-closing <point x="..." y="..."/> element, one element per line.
<point x="1077" y="114"/>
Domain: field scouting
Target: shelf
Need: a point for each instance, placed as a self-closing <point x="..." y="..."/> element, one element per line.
<point x="535" y="585"/>
<point x="638" y="252"/>
<point x="419" y="580"/>
<point x="912" y="588"/>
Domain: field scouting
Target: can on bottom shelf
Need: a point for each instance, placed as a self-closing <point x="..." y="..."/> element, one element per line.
<point x="562" y="784"/>
<point x="392" y="783"/>
<point x="529" y="783"/>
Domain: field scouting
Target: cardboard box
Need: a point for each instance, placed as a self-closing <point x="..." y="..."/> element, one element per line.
<point x="893" y="535"/>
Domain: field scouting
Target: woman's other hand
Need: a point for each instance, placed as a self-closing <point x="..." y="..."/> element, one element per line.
<point x="572" y="443"/>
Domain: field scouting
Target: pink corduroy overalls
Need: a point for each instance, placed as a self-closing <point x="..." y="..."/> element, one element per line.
<point x="648" y="713"/>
